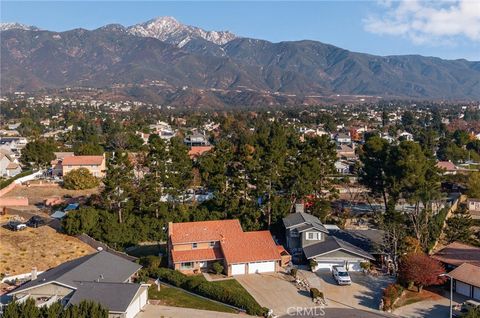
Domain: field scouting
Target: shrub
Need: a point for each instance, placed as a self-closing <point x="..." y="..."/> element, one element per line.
<point x="315" y="293"/>
<point x="217" y="268"/>
<point x="80" y="179"/>
<point x="293" y="272"/>
<point x="150" y="262"/>
<point x="313" y="263"/>
<point x="365" y="265"/>
<point x="390" y="294"/>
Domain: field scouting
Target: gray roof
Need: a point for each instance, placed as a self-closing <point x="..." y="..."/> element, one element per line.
<point x="100" y="265"/>
<point x="333" y="244"/>
<point x="368" y="240"/>
<point x="114" y="296"/>
<point x="303" y="219"/>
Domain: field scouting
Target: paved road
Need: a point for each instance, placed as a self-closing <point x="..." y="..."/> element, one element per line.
<point x="156" y="311"/>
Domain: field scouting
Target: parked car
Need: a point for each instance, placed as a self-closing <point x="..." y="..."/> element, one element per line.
<point x="340" y="274"/>
<point x="36" y="221"/>
<point x="461" y="309"/>
<point x="16" y="226"/>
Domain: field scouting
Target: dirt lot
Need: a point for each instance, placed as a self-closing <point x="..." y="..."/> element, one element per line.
<point x="41" y="247"/>
<point x="37" y="194"/>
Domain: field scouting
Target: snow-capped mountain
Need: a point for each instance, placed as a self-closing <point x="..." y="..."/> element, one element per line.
<point x="14" y="25"/>
<point x="169" y="30"/>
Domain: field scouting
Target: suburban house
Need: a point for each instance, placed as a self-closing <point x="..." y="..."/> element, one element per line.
<point x="464" y="262"/>
<point x="195" y="246"/>
<point x="342" y="167"/>
<point x="306" y="235"/>
<point x="196" y="140"/>
<point x="346" y="152"/>
<point x="8" y="167"/>
<point x="343" y="139"/>
<point x="196" y="151"/>
<point x="447" y="167"/>
<point x="405" y="136"/>
<point x="466" y="280"/>
<point x="102" y="277"/>
<point x="95" y="164"/>
<point x="474" y="208"/>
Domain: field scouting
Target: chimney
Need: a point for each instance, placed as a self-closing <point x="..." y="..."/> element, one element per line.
<point x="34" y="273"/>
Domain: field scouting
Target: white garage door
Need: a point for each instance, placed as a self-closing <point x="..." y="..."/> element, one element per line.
<point x="476" y="293"/>
<point x="328" y="264"/>
<point x="261" y="267"/>
<point x="462" y="288"/>
<point x="238" y="269"/>
<point x="138" y="303"/>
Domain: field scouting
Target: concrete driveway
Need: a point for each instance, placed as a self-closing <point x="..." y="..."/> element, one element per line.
<point x="275" y="291"/>
<point x="365" y="291"/>
<point x="438" y="308"/>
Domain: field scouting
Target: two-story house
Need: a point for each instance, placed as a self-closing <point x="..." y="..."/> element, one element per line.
<point x="195" y="246"/>
<point x="306" y="234"/>
<point x="95" y="164"/>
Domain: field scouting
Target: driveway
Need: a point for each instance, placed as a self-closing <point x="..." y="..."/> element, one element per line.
<point x="365" y="292"/>
<point x="438" y="308"/>
<point x="275" y="291"/>
<point x="156" y="311"/>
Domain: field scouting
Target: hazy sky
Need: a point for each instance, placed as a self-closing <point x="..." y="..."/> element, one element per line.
<point x="448" y="29"/>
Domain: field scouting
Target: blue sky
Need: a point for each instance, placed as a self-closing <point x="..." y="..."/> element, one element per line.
<point x="448" y="30"/>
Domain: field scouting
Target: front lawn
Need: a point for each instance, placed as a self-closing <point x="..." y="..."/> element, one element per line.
<point x="227" y="291"/>
<point x="173" y="297"/>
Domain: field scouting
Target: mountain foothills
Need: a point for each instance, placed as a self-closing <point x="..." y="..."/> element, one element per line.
<point x="167" y="61"/>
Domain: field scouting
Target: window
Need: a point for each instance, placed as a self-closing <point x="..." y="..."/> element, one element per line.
<point x="212" y="244"/>
<point x="314" y="236"/>
<point x="194" y="245"/>
<point x="186" y="265"/>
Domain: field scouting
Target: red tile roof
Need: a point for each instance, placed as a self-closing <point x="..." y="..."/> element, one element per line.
<point x="458" y="253"/>
<point x="236" y="246"/>
<point x="205" y="231"/>
<point x="250" y="247"/>
<point x="197" y="151"/>
<point x="467" y="273"/>
<point x="206" y="254"/>
<point x="446" y="165"/>
<point x="82" y="160"/>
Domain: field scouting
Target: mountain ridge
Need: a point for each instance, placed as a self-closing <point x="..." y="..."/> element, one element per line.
<point x="187" y="56"/>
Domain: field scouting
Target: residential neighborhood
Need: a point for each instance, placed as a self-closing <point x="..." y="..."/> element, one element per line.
<point x="235" y="159"/>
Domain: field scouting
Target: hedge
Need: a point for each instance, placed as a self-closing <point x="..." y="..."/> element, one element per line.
<point x="212" y="290"/>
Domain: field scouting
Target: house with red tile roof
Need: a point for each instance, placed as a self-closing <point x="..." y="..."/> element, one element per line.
<point x="197" y="151"/>
<point x="95" y="164"/>
<point x="195" y="246"/>
<point x="447" y="167"/>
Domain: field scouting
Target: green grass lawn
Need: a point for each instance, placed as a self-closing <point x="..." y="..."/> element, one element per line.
<point x="235" y="286"/>
<point x="177" y="298"/>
